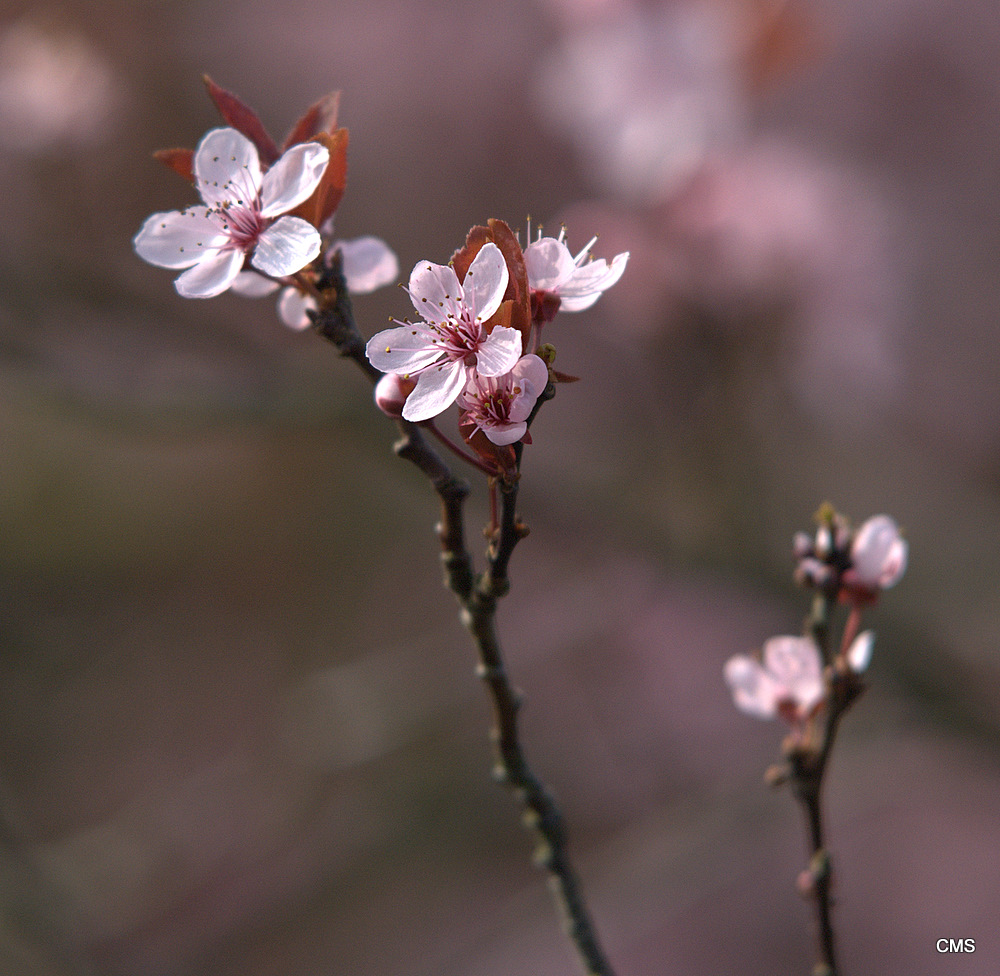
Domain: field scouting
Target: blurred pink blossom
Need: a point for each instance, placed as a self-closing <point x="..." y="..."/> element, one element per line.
<point x="55" y="87"/>
<point x="787" y="681"/>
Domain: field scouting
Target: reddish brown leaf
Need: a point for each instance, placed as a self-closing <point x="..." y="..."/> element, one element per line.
<point x="563" y="377"/>
<point x="321" y="117"/>
<point x="179" y="160"/>
<point x="327" y="196"/>
<point x="243" y="119"/>
<point x="516" y="310"/>
<point x="517" y="287"/>
<point x="474" y="240"/>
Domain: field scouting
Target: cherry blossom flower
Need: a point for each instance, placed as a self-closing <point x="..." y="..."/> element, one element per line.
<point x="558" y="280"/>
<point x="368" y="263"/>
<point x="878" y="554"/>
<point x="499" y="406"/>
<point x="787" y="681"/>
<point x="241" y="216"/>
<point x="453" y="335"/>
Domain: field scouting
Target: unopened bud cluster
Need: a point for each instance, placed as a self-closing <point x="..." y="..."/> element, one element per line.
<point x="854" y="565"/>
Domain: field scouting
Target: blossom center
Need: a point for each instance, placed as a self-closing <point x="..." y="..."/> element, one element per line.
<point x="459" y="339"/>
<point x="243" y="224"/>
<point x="238" y="212"/>
<point x="490" y="404"/>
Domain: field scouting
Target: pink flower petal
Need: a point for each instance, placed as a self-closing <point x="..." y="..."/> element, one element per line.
<point x="499" y="353"/>
<point x="293" y="178"/>
<point x="249" y="284"/>
<point x="435" y="292"/>
<point x="589" y="281"/>
<point x="226" y="168"/>
<point x="293" y="308"/>
<point x="532" y="373"/>
<point x="754" y="691"/>
<point x="402" y="350"/>
<point x="369" y="263"/>
<point x="211" y="276"/>
<point x="796" y="666"/>
<point x="505" y="433"/>
<point x="548" y="263"/>
<point x="287" y="246"/>
<point x="485" y="283"/>
<point x="437" y="389"/>
<point x="178" y="239"/>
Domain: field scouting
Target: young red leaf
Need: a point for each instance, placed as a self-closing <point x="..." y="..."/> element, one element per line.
<point x="320" y="117"/>
<point x="517" y="314"/>
<point x="179" y="160"/>
<point x="243" y="119"/>
<point x="327" y="196"/>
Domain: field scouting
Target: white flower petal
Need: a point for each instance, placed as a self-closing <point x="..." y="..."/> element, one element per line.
<point x="178" y="239"/>
<point x="293" y="178"/>
<point x="287" y="246"/>
<point x="227" y="168"/>
<point x="402" y="350"/>
<point x="532" y="374"/>
<point x="485" y="282"/>
<point x="212" y="275"/>
<point x="520" y="408"/>
<point x="437" y="389"/>
<point x="500" y="352"/>
<point x="369" y="263"/>
<point x="293" y="308"/>
<point x="435" y="292"/>
<point x="754" y="691"/>
<point x="589" y="281"/>
<point x="548" y="263"/>
<point x="505" y="433"/>
<point x="249" y="284"/>
<point x="859" y="654"/>
<point x="792" y="659"/>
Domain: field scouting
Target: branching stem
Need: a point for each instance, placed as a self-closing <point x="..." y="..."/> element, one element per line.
<point x="478" y="596"/>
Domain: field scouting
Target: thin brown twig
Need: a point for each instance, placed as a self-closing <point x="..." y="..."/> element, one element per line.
<point x="478" y="597"/>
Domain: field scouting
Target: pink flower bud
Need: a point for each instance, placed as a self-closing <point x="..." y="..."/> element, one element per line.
<point x="391" y="392"/>
<point x="878" y="553"/>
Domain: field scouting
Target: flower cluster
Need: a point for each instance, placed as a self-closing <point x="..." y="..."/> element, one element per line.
<point x="265" y="212"/>
<point x="476" y="339"/>
<point x="793" y="677"/>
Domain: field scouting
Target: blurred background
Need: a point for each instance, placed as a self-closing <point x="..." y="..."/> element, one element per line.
<point x="240" y="730"/>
